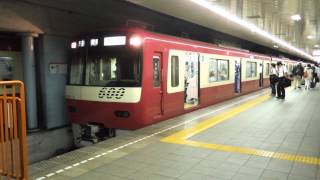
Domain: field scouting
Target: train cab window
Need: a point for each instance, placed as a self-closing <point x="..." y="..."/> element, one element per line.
<point x="223" y="70"/>
<point x="174" y="71"/>
<point x="156" y="71"/>
<point x="76" y="67"/>
<point x="251" y="69"/>
<point x="113" y="67"/>
<point x="100" y="70"/>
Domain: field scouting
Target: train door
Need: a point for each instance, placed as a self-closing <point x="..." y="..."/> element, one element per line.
<point x="237" y="76"/>
<point x="191" y="80"/>
<point x="157" y="94"/>
<point x="261" y="74"/>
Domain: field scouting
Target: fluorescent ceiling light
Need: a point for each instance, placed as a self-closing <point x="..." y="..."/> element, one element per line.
<point x="275" y="46"/>
<point x="316" y="46"/>
<point x="5" y="58"/>
<point x="310" y="37"/>
<point x="225" y="14"/>
<point x="316" y="52"/>
<point x="296" y="17"/>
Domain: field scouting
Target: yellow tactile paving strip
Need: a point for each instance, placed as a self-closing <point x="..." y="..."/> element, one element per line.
<point x="183" y="136"/>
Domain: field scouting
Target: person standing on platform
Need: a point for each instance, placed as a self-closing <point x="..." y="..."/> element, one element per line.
<point x="297" y="73"/>
<point x="308" y="76"/>
<point x="273" y="79"/>
<point x="282" y="74"/>
<point x="317" y="74"/>
<point x="314" y="76"/>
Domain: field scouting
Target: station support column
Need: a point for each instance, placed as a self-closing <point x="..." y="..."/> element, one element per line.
<point x="29" y="74"/>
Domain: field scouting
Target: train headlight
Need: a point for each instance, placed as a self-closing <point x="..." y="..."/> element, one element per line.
<point x="135" y="41"/>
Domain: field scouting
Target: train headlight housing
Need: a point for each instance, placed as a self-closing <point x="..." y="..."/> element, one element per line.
<point x="135" y="41"/>
<point x="122" y="114"/>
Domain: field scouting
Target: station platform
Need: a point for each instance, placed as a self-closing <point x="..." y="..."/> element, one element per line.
<point x="251" y="137"/>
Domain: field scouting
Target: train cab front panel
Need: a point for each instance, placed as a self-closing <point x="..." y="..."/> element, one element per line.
<point x="114" y="107"/>
<point x="105" y="80"/>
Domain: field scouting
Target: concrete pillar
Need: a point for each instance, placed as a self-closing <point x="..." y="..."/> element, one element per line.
<point x="53" y="50"/>
<point x="29" y="74"/>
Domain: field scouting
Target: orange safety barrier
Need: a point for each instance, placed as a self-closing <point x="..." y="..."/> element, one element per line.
<point x="13" y="148"/>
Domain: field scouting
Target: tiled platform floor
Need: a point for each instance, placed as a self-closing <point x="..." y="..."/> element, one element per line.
<point x="291" y="126"/>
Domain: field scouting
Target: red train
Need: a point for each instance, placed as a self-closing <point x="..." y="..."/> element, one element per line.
<point x="128" y="79"/>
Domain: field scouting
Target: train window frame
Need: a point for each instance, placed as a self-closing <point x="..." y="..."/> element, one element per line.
<point x="212" y="70"/>
<point x="252" y="69"/>
<point x="156" y="71"/>
<point x="79" y="58"/>
<point x="267" y="72"/>
<point x="219" y="70"/>
<point x="214" y="67"/>
<point x="174" y="71"/>
<point x="290" y="67"/>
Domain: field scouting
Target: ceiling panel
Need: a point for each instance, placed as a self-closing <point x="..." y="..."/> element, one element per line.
<point x="273" y="16"/>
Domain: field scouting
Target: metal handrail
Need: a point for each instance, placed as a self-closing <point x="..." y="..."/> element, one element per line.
<point x="13" y="148"/>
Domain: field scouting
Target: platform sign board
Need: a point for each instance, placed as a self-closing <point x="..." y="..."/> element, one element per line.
<point x="58" y="68"/>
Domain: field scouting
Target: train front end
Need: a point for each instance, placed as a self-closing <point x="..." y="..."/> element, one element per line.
<point x="105" y="82"/>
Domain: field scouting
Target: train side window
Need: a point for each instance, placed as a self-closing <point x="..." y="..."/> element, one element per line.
<point x="213" y="70"/>
<point x="254" y="69"/>
<point x="156" y="71"/>
<point x="290" y="67"/>
<point x="267" y="73"/>
<point x="223" y="70"/>
<point x="251" y="68"/>
<point x="174" y="71"/>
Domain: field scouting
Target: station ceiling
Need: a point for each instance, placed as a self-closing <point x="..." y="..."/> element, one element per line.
<point x="74" y="16"/>
<point x="272" y="16"/>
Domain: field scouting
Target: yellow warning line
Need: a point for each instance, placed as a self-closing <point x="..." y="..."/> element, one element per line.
<point x="187" y="133"/>
<point x="183" y="136"/>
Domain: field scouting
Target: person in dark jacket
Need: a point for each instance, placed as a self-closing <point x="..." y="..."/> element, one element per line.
<point x="273" y="79"/>
<point x="282" y="74"/>
<point x="297" y="73"/>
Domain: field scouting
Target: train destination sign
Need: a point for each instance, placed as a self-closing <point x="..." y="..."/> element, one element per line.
<point x="114" y="41"/>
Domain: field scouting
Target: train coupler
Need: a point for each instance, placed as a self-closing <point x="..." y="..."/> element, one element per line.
<point x="84" y="135"/>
